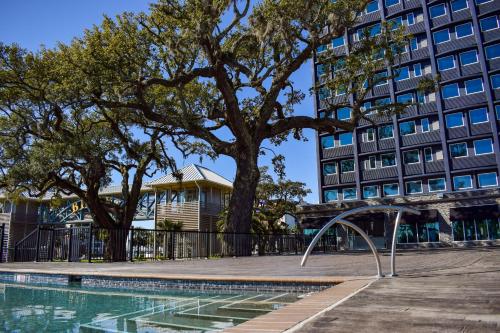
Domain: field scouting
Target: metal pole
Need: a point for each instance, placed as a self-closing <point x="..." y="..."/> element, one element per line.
<point x="70" y="246"/>
<point x="1" y="242"/>
<point x="52" y="244"/>
<point x="393" y="247"/>
<point x="131" y="246"/>
<point x="37" y="255"/>
<point x="89" y="245"/>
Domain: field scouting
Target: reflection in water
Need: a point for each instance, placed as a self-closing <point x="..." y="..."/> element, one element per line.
<point x="26" y="308"/>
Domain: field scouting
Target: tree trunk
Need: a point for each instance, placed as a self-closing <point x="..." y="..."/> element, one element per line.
<point x="116" y="245"/>
<point x="239" y="217"/>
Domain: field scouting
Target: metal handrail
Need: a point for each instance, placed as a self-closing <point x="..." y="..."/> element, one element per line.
<point x="340" y="220"/>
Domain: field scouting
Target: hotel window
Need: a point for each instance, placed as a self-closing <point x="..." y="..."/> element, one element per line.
<point x="497" y="111"/>
<point x="495" y="81"/>
<point x="371" y="7"/>
<point x="402" y="74"/>
<point x="457" y="5"/>
<point x="417" y="70"/>
<point x="347" y="166"/>
<point x="476" y="229"/>
<point x="418" y="232"/>
<point x="483" y="147"/>
<point x="329" y="169"/>
<point x="320" y="70"/>
<point x="405" y="98"/>
<point x="480" y="2"/>
<point x="424" y="124"/>
<point x="446" y="63"/>
<point x="371" y="162"/>
<point x="410" y="19"/>
<point x="321" y="48"/>
<point x="462" y="182"/>
<point x="388" y="160"/>
<point x="454" y="120"/>
<point x="450" y="91"/>
<point x="441" y="36"/>
<point x="492" y="51"/>
<point x="468" y="57"/>
<point x="395" y="23"/>
<point x="323" y="93"/>
<point x="327" y="142"/>
<point x="428" y="154"/>
<point x="437" y="11"/>
<point x="487" y="179"/>
<point x="385" y="132"/>
<point x="407" y="128"/>
<point x="478" y="116"/>
<point x="411" y="157"/>
<point x="369" y="135"/>
<point x="391" y="190"/>
<point x="488" y="23"/>
<point x="389" y="3"/>
<point x="370" y="191"/>
<point x="345" y="139"/>
<point x="414" y="44"/>
<point x="474" y="86"/>
<point x="458" y="150"/>
<point x="349" y="193"/>
<point x="344" y="113"/>
<point x="331" y="195"/>
<point x="414" y="187"/>
<point x="463" y="30"/>
<point x="380" y="79"/>
<point x="436" y="185"/>
<point x="337" y="42"/>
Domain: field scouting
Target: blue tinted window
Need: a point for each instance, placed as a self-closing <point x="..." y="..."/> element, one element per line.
<point x="391" y="189"/>
<point x="372" y="6"/>
<point x="320" y="70"/>
<point x="375" y="30"/>
<point x="413" y="44"/>
<point x="402" y="74"/>
<point x="406" y="98"/>
<point x="321" y="48"/>
<point x="458" y="150"/>
<point x="436" y="11"/>
<point x="437" y="185"/>
<point x="385" y="132"/>
<point x="445" y="63"/>
<point x="414" y="187"/>
<point x="339" y="41"/>
<point x="461" y="182"/>
<point x="329" y="168"/>
<point x="411" y="156"/>
<point x="395" y="22"/>
<point x="370" y="191"/>
<point x="469" y="57"/>
<point x="389" y="3"/>
<point x="474" y="86"/>
<point x="483" y="146"/>
<point x="347" y="166"/>
<point x="388" y="160"/>
<point x="383" y="101"/>
<point x="457" y="5"/>
<point x="420" y="97"/>
<point x="454" y="120"/>
<point x="345" y="139"/>
<point x="417" y="70"/>
<point x="349" y="193"/>
<point x="495" y="81"/>
<point x="331" y="195"/>
<point x="497" y="111"/>
<point x="450" y="90"/>
<point x="441" y="36"/>
<point x="407" y="128"/>
<point x="323" y="93"/>
<point x="487" y="179"/>
<point x="479" y="2"/>
<point x="478" y="116"/>
<point x="410" y="18"/>
<point x="344" y="113"/>
<point x="463" y="30"/>
<point x="488" y="23"/>
<point x="492" y="51"/>
<point x="327" y="141"/>
<point x="424" y="123"/>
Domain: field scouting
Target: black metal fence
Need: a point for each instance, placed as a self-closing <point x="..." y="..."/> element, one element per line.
<point x="3" y="246"/>
<point x="97" y="244"/>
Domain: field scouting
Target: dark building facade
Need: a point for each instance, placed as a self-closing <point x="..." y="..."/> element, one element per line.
<point x="445" y="147"/>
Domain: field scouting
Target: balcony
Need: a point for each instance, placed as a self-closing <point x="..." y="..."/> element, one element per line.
<point x="331" y="179"/>
<point x="439" y="21"/>
<point x="412" y="169"/>
<point x="462" y="101"/>
<point x="379" y="173"/>
<point x="420" y="138"/>
<point x="457" y="132"/>
<point x="493" y="64"/>
<point x="478" y="129"/>
<point x="410" y="83"/>
<point x="460" y="15"/>
<point x="377" y="119"/>
<point x="471" y="69"/>
<point x="488" y="7"/>
<point x="450" y="74"/>
<point x="496" y="94"/>
<point x="348" y="177"/>
<point x="366" y="147"/>
<point x="394" y="9"/>
<point x="385" y="144"/>
<point x="410" y="111"/>
<point x="434" y="166"/>
<point x="427" y="108"/>
<point x="473" y="162"/>
<point x="416" y="28"/>
<point x="368" y="18"/>
<point x="338" y="151"/>
<point x="456" y="44"/>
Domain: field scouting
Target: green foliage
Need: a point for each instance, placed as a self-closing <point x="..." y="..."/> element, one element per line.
<point x="169" y="225"/>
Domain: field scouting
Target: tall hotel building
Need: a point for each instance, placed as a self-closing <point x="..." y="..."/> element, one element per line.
<point x="442" y="155"/>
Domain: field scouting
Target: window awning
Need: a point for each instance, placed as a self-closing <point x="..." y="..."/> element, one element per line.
<point x="474" y="212"/>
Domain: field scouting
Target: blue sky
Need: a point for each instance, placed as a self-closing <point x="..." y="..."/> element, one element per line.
<point x="31" y="23"/>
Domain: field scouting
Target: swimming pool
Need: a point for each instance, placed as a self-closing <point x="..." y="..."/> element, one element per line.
<point x="73" y="308"/>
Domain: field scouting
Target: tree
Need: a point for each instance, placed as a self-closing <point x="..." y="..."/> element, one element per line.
<point x="221" y="71"/>
<point x="54" y="141"/>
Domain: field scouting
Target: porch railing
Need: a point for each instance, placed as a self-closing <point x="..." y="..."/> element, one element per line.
<point x="93" y="244"/>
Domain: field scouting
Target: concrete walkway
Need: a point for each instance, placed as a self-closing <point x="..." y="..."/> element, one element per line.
<point x="450" y="290"/>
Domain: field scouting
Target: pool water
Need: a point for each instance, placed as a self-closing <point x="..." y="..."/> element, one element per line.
<point x="29" y="308"/>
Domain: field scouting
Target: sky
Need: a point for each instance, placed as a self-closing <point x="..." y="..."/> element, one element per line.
<point x="32" y="23"/>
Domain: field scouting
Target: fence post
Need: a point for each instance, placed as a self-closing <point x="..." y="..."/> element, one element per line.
<point x="131" y="246"/>
<point x="172" y="245"/>
<point x="209" y="235"/>
<point x="296" y="245"/>
<point x="52" y="244"/>
<point x="70" y="245"/>
<point x="1" y="242"/>
<point x="89" y="245"/>
<point x="37" y="254"/>
<point x="234" y="244"/>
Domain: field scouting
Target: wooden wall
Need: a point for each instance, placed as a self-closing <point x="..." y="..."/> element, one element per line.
<point x="186" y="212"/>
